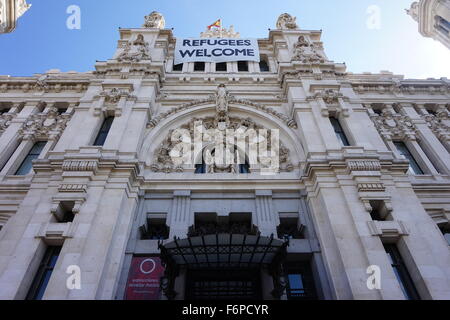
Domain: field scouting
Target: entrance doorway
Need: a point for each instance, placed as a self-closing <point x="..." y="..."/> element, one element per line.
<point x="223" y="284"/>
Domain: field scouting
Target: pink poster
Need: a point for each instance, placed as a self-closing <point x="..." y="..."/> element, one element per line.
<point x="143" y="279"/>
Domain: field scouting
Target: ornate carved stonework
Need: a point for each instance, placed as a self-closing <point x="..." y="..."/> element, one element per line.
<point x="439" y="124"/>
<point x="306" y="52"/>
<point x="135" y="51"/>
<point x="112" y="98"/>
<point x="286" y="21"/>
<point x="333" y="100"/>
<point x="222" y="99"/>
<point x="5" y="121"/>
<point x="154" y="20"/>
<point x="45" y="126"/>
<point x="395" y="126"/>
<point x="164" y="162"/>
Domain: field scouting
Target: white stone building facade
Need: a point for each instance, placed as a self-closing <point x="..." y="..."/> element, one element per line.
<point x="433" y="17"/>
<point x="363" y="181"/>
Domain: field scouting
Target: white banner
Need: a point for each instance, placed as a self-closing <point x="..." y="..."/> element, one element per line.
<point x="216" y="50"/>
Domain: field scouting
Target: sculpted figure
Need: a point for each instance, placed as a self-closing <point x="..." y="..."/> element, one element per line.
<point x="286" y="21"/>
<point x="154" y="20"/>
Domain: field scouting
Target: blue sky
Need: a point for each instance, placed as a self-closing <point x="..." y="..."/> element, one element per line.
<point x="42" y="41"/>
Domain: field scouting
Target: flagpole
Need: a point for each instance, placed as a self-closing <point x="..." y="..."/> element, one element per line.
<point x="221" y="30"/>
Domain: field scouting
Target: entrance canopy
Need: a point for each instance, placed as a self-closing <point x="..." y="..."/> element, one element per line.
<point x="223" y="251"/>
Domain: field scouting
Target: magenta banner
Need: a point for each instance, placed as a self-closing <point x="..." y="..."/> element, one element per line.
<point x="143" y="279"/>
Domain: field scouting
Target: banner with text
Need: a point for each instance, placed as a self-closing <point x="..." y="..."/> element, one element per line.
<point x="216" y="50"/>
<point x="143" y="279"/>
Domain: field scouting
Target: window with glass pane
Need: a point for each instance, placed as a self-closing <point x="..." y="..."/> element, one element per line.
<point x="404" y="151"/>
<point x="178" y="67"/>
<point x="44" y="273"/>
<point x="27" y="164"/>
<point x="401" y="272"/>
<point x="263" y="65"/>
<point x="299" y="281"/>
<point x="242" y="66"/>
<point x="221" y="67"/>
<point x="199" y="66"/>
<point x="340" y="134"/>
<point x="104" y="130"/>
<point x="244" y="168"/>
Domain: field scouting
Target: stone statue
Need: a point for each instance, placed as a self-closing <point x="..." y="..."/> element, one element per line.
<point x="286" y="21"/>
<point x="154" y="20"/>
<point x="222" y="99"/>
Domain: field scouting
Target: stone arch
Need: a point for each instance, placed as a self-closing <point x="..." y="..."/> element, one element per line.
<point x="159" y="131"/>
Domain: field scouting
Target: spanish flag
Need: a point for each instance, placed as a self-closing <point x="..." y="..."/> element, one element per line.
<point x="216" y="24"/>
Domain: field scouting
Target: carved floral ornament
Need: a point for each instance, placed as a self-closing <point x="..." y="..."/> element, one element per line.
<point x="46" y="126"/>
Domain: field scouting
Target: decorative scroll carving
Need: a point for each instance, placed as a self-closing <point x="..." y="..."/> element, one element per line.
<point x="46" y="126"/>
<point x="154" y="20"/>
<point x="394" y="126"/>
<point x="286" y="21"/>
